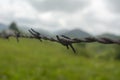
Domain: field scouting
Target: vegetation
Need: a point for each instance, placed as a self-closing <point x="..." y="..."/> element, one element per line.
<point x="13" y="26"/>
<point x="33" y="60"/>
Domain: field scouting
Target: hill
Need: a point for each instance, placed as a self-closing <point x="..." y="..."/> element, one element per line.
<point x="41" y="31"/>
<point x="76" y="33"/>
<point x="3" y="27"/>
<point x="111" y="36"/>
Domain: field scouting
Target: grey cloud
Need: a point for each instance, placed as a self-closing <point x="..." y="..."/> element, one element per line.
<point x="115" y="24"/>
<point x="50" y="24"/>
<point x="112" y="26"/>
<point x="59" y="5"/>
<point x="90" y="19"/>
<point x="113" y="5"/>
<point x="35" y="22"/>
<point x="26" y="21"/>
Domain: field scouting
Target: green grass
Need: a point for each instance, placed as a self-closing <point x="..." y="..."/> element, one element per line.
<point x="33" y="60"/>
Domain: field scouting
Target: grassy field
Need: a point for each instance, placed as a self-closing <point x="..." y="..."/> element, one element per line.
<point x="33" y="60"/>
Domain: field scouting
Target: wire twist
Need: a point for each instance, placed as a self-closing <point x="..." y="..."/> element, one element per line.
<point x="62" y="39"/>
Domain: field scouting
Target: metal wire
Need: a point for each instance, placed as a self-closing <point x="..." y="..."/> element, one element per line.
<point x="62" y="39"/>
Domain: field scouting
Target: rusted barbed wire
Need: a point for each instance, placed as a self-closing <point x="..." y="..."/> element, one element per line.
<point x="62" y="39"/>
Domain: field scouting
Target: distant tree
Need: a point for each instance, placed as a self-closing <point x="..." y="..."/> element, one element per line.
<point x="13" y="26"/>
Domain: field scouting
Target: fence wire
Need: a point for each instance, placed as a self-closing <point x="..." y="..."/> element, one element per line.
<point x="62" y="39"/>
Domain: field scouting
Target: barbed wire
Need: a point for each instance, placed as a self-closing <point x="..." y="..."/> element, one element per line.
<point x="62" y="39"/>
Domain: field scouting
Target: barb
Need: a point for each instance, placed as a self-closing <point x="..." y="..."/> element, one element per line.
<point x="35" y="34"/>
<point x="64" y="40"/>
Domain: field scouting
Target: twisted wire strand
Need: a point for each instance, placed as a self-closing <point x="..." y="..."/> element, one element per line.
<point x="62" y="39"/>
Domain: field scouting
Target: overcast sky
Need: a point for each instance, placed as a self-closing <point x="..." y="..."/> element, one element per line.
<point x="93" y="16"/>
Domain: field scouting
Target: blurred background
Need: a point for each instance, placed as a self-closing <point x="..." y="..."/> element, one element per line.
<point x="32" y="60"/>
<point x="92" y="16"/>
